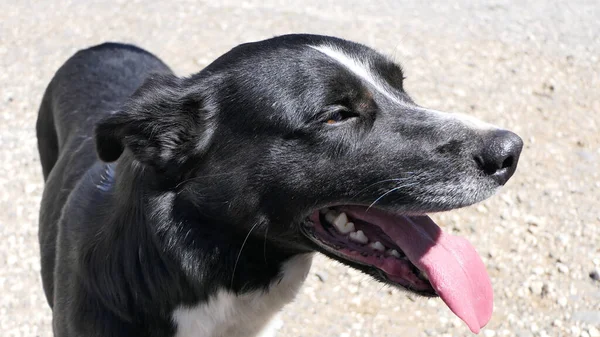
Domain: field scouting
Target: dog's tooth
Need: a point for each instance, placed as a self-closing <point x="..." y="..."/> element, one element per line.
<point x="341" y="223"/>
<point x="393" y="253"/>
<point x="340" y="220"/>
<point x="330" y="216"/>
<point x="423" y="275"/>
<point x="345" y="228"/>
<point x="359" y="236"/>
<point x="377" y="246"/>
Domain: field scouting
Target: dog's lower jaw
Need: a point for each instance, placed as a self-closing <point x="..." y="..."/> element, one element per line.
<point x="226" y="314"/>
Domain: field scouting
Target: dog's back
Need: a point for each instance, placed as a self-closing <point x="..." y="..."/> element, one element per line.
<point x="91" y="84"/>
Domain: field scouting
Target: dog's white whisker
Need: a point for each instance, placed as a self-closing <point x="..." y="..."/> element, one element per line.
<point x="381" y="182"/>
<point x="388" y="192"/>
<point x="204" y="177"/>
<point x="240" y="252"/>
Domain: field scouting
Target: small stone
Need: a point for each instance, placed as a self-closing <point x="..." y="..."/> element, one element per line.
<point x="536" y="288"/>
<point x="460" y="92"/>
<point x="575" y="330"/>
<point x="489" y="333"/>
<point x="584" y="334"/>
<point x="548" y="289"/>
<point x="594" y="275"/>
<point x="321" y="276"/>
<point x="534" y="221"/>
<point x="562" y="301"/>
<point x="12" y="259"/>
<point x="507" y="199"/>
<point x="30" y="188"/>
<point x="538" y="270"/>
<point x="563" y="239"/>
<point x="562" y="268"/>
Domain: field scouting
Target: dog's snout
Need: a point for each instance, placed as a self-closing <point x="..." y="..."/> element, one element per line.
<point x="499" y="156"/>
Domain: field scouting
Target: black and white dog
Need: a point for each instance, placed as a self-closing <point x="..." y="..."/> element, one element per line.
<point x="192" y="206"/>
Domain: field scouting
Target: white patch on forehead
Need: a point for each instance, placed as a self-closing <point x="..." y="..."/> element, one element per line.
<point x="360" y="68"/>
<point x="363" y="70"/>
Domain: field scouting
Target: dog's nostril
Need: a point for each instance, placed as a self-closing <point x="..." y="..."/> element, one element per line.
<point x="508" y="162"/>
<point x="485" y="167"/>
<point x="499" y="156"/>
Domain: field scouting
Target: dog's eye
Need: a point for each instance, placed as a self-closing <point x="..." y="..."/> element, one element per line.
<point x="339" y="114"/>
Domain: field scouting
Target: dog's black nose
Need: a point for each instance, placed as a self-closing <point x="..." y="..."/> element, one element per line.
<point x="500" y="154"/>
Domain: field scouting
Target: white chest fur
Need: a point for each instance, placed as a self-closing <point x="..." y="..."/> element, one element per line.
<point x="230" y="315"/>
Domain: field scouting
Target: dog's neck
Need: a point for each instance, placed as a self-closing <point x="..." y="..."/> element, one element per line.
<point x="156" y="238"/>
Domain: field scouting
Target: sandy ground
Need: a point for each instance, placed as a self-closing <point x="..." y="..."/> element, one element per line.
<point x="530" y="66"/>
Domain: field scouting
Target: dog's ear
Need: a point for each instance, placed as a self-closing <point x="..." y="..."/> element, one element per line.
<point x="164" y="123"/>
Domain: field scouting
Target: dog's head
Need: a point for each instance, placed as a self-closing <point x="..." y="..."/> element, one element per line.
<point x="314" y="142"/>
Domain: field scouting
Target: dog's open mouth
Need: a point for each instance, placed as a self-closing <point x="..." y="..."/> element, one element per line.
<point x="409" y="251"/>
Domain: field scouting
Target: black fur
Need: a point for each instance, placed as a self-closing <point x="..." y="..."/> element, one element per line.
<point x="191" y="168"/>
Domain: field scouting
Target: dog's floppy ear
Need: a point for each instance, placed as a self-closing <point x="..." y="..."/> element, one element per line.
<point x="164" y="123"/>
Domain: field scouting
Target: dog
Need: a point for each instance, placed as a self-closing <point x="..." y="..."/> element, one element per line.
<point x="193" y="206"/>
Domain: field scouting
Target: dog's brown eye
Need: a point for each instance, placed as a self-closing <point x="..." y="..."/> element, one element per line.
<point x="335" y="117"/>
<point x="339" y="115"/>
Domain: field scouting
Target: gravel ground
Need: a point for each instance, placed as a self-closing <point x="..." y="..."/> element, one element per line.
<point x="532" y="67"/>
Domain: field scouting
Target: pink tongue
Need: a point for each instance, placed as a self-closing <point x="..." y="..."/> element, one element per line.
<point x="454" y="268"/>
